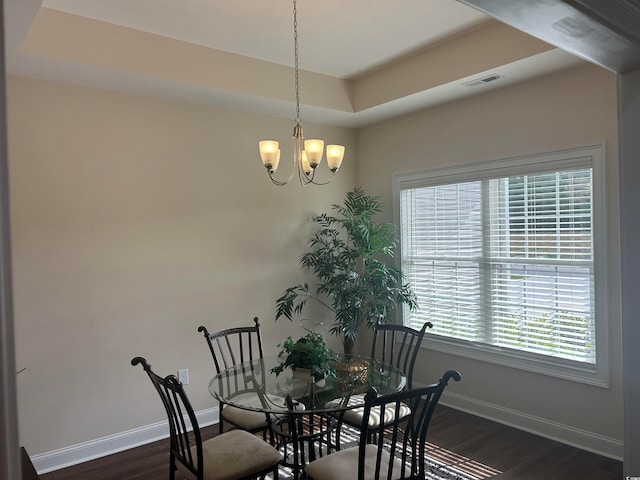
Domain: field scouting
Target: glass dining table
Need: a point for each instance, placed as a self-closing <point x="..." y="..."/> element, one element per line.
<point x="253" y="386"/>
<point x="304" y="412"/>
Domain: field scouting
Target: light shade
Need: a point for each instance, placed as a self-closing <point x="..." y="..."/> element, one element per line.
<point x="274" y="167"/>
<point x="304" y="161"/>
<point x="335" y="153"/>
<point x="314" y="149"/>
<point x="270" y="154"/>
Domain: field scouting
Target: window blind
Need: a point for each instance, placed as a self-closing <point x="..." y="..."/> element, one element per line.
<point x="505" y="261"/>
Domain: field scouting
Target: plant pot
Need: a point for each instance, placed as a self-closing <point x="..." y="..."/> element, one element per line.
<point x="304" y="374"/>
<point x="301" y="373"/>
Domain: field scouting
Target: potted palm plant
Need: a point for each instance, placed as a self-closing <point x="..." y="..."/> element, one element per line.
<point x="347" y="258"/>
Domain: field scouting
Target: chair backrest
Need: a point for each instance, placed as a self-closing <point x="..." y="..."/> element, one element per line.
<point x="177" y="406"/>
<point x="404" y="440"/>
<point x="234" y="345"/>
<point x="398" y="345"/>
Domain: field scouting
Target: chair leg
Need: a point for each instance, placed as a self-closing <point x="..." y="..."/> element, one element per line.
<point x="172" y="467"/>
<point x="338" y="440"/>
<point x="269" y="431"/>
<point x="276" y="473"/>
<point x="221" y="419"/>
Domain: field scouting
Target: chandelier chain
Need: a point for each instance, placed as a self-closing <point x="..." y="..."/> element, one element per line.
<point x="295" y="52"/>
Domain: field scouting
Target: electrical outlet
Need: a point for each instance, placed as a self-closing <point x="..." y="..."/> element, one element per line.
<point x="183" y="376"/>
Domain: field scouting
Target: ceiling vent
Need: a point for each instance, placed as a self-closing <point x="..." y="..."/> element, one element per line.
<point x="484" y="80"/>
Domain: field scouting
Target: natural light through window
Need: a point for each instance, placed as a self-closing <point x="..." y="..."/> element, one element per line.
<point x="505" y="261"/>
<point x="458" y="467"/>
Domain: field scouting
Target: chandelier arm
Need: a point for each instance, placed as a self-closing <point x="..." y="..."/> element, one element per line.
<point x="280" y="183"/>
<point x="304" y="178"/>
<point x="333" y="174"/>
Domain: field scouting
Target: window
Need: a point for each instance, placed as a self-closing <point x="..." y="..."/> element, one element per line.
<point x="504" y="258"/>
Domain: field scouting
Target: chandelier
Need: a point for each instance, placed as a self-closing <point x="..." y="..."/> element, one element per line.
<point x="307" y="154"/>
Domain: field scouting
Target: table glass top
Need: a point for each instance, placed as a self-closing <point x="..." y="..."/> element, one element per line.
<point x="253" y="386"/>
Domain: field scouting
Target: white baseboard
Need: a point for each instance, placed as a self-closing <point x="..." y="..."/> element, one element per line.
<point x="83" y="452"/>
<point x="592" y="442"/>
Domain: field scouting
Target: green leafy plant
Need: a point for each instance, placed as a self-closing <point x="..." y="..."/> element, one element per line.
<point x="347" y="257"/>
<point x="308" y="352"/>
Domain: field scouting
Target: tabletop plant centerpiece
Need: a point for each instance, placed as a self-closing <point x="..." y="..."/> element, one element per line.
<point x="309" y="353"/>
<point x="347" y="259"/>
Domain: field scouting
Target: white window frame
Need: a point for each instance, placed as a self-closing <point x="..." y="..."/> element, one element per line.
<point x="588" y="156"/>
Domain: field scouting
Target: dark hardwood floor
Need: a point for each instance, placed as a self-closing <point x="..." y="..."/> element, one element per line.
<point x="477" y="446"/>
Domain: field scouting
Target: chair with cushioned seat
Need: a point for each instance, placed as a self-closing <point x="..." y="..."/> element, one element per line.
<point x="234" y="455"/>
<point x="302" y="436"/>
<point x="398" y="345"/>
<point x="395" y="344"/>
<point x="393" y="451"/>
<point x="229" y="348"/>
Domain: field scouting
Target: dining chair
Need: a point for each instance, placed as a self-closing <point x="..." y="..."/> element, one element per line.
<point x="398" y="345"/>
<point x="303" y="436"/>
<point x="394" y="451"/>
<point x="234" y="455"/>
<point x="229" y="348"/>
<point x="395" y="344"/>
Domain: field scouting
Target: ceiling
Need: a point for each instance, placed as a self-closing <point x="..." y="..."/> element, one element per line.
<point x="361" y="61"/>
<point x="337" y="37"/>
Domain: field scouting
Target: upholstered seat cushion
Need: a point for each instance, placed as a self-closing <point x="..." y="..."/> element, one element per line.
<point x="246" y="419"/>
<point x="344" y="465"/>
<point x="354" y="416"/>
<point x="235" y="454"/>
<point x="250" y="419"/>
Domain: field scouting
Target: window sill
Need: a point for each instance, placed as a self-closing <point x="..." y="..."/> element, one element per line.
<point x="596" y="375"/>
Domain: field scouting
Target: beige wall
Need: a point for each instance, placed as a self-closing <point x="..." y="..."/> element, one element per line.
<point x="568" y="109"/>
<point x="135" y="221"/>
